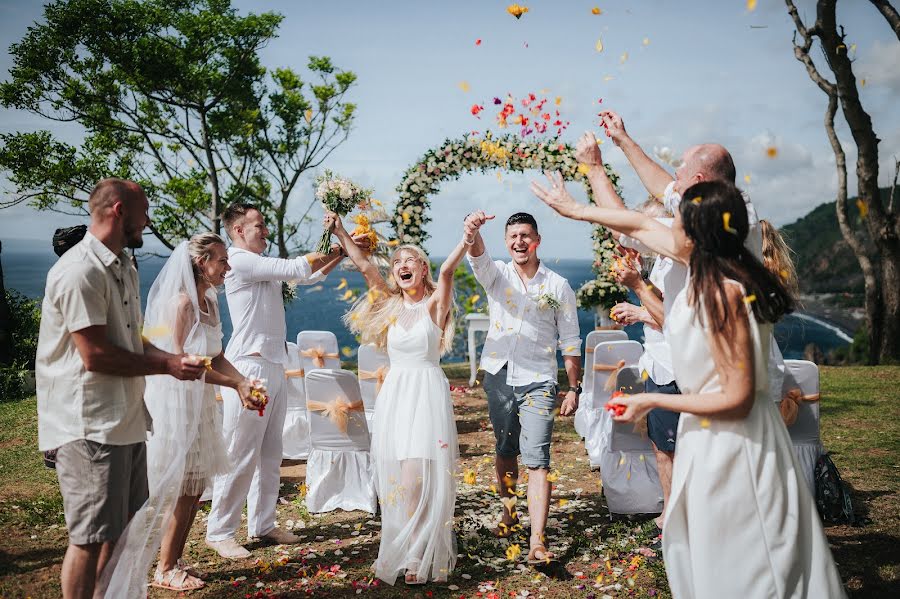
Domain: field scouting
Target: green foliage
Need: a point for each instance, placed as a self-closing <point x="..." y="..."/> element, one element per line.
<point x="24" y="326"/>
<point x="171" y="94"/>
<point x="825" y="263"/>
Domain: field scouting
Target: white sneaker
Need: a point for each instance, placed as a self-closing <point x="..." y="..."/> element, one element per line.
<point x="229" y="549"/>
<point x="282" y="537"/>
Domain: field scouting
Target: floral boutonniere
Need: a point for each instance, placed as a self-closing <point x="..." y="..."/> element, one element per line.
<point x="547" y="302"/>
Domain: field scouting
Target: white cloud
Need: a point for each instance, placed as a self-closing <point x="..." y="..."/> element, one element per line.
<point x="880" y="65"/>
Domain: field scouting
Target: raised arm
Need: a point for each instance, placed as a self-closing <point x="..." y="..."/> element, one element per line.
<point x="656" y="236"/>
<point x="484" y="269"/>
<point x="442" y="298"/>
<point x="373" y="278"/>
<point x="654" y="177"/>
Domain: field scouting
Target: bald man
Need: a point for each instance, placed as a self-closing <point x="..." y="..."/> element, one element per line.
<point x="91" y="363"/>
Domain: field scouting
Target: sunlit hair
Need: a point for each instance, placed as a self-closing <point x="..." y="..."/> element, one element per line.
<point x="375" y="311"/>
<point x="719" y="253"/>
<point x="654" y="208"/>
<point x="234" y="213"/>
<point x="199" y="248"/>
<point x="777" y="258"/>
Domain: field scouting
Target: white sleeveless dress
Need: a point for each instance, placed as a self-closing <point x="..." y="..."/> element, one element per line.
<point x="206" y="456"/>
<point x="415" y="452"/>
<point x="740" y="521"/>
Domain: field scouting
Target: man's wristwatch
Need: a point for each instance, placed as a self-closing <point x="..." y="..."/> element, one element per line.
<point x="577" y="389"/>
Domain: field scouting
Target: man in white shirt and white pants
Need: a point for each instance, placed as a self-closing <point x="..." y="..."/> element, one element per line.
<point x="533" y="314"/>
<point x="257" y="348"/>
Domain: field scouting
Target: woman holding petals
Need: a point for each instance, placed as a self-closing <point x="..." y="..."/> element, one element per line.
<point x="185" y="449"/>
<point x="740" y="520"/>
<point x="414" y="444"/>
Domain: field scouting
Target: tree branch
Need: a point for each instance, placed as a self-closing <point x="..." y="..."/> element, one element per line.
<point x="890" y="15"/>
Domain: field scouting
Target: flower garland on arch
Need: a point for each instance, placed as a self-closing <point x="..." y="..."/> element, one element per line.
<point x="473" y="153"/>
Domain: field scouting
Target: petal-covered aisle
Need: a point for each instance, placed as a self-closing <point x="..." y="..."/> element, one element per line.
<point x="598" y="558"/>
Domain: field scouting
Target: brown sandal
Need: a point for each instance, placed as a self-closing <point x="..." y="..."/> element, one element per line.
<point x="176" y="579"/>
<point x="548" y="558"/>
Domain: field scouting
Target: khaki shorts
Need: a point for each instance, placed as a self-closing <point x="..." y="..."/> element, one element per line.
<point x="102" y="487"/>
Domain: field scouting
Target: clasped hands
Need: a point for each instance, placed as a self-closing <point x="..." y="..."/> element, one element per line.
<point x="332" y="222"/>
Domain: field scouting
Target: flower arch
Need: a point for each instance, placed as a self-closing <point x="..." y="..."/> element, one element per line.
<point x="472" y="153"/>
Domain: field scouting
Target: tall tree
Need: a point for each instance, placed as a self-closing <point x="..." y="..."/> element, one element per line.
<point x="172" y="94"/>
<point x="881" y="270"/>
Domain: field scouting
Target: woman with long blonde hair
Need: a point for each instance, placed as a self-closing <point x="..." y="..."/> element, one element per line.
<point x="414" y="443"/>
<point x="777" y="257"/>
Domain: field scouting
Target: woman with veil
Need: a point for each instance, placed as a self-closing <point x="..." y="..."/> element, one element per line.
<point x="185" y="449"/>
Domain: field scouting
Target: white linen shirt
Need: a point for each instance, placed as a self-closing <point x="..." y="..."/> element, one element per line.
<point x="669" y="277"/>
<point x="89" y="286"/>
<point x="522" y="335"/>
<point x="253" y="292"/>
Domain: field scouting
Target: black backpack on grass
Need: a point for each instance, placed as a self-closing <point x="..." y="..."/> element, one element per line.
<point x="832" y="495"/>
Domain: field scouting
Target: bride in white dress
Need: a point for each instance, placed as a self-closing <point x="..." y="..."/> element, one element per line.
<point x="414" y="441"/>
<point x="740" y="520"/>
<point x="185" y="449"/>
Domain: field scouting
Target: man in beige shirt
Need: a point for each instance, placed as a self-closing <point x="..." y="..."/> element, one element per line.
<point x="91" y="363"/>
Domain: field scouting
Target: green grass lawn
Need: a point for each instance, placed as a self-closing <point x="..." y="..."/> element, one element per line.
<point x="860" y="420"/>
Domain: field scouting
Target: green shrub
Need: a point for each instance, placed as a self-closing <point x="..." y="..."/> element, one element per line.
<point x="25" y="324"/>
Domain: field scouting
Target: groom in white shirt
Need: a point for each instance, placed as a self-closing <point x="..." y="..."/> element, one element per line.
<point x="257" y="348"/>
<point x="533" y="314"/>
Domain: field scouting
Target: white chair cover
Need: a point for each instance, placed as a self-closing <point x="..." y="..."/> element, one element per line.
<point x="590" y="342"/>
<point x="295" y="434"/>
<point x="339" y="472"/>
<point x="311" y="343"/>
<point x="373" y="367"/>
<point x="804" y="375"/>
<point x="628" y="470"/>
<point x="597" y="419"/>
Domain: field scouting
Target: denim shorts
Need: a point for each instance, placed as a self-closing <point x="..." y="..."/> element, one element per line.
<point x="662" y="425"/>
<point x="522" y="418"/>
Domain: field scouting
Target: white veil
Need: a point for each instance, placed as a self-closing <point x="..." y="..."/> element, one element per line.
<point x="175" y="407"/>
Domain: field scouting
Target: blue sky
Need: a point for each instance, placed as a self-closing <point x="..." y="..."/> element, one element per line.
<point x="704" y="75"/>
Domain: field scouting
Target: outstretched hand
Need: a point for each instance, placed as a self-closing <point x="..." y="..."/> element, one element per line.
<point x="636" y="406"/>
<point x="587" y="151"/>
<point x="612" y="123"/>
<point x="557" y="197"/>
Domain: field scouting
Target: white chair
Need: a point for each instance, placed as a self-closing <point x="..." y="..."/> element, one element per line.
<point x="374" y="365"/>
<point x="339" y="472"/>
<point x="608" y="357"/>
<point x="318" y="349"/>
<point x="801" y="382"/>
<point x="295" y="434"/>
<point x="628" y="470"/>
<point x="590" y="342"/>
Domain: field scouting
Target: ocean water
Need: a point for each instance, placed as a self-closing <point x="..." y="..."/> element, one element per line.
<point x="25" y="266"/>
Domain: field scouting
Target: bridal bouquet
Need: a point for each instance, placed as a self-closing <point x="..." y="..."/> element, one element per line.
<point x="339" y="196"/>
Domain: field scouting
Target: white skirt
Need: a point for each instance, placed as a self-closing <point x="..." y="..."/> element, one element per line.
<point x="415" y="451"/>
<point x="205" y="458"/>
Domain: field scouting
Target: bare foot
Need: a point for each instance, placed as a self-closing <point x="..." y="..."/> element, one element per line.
<point x="659" y="521"/>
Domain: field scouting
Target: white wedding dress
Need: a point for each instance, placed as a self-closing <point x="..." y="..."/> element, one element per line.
<point x="415" y="452"/>
<point x="740" y="521"/>
<point x="206" y="457"/>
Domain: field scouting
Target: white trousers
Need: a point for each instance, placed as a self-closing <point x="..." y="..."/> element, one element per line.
<point x="254" y="448"/>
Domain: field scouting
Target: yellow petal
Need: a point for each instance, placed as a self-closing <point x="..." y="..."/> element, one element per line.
<point x="599" y="45"/>
<point x="751" y="5"/>
<point x="623" y="58"/>
<point x="646" y="41"/>
<point x="746" y="178"/>
<point x="772" y="152"/>
<point x="704" y="422"/>
<point x="464" y="85"/>
<point x="863" y="207"/>
<point x="308" y="115"/>
<point x="596" y="11"/>
<point x="342" y="285"/>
